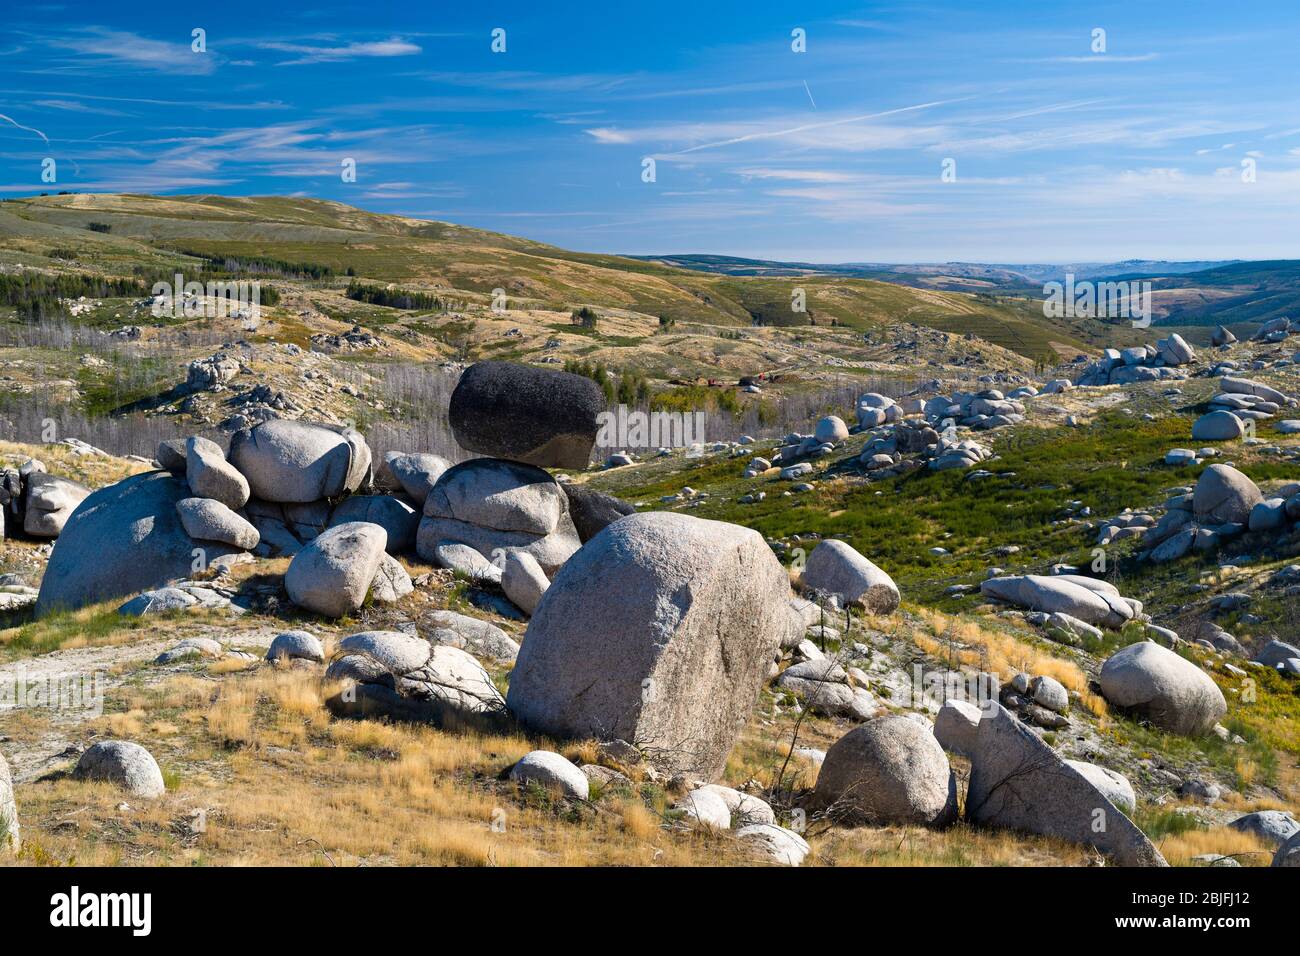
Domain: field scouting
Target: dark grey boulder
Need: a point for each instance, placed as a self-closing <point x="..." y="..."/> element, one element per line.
<point x="121" y="540"/>
<point x="592" y="510"/>
<point x="518" y="412"/>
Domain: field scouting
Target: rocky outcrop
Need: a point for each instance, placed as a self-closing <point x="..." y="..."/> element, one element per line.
<point x="125" y="538"/>
<point x="1088" y="599"/>
<point x="496" y="507"/>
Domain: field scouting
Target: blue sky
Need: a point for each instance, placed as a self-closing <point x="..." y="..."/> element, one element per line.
<point x="834" y="154"/>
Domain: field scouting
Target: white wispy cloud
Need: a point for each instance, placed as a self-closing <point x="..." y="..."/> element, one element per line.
<point x="130" y="49"/>
<point x="607" y="134"/>
<point x="394" y="46"/>
<point x="29" y="129"/>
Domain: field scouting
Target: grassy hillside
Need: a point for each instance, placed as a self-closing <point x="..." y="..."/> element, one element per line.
<point x="120" y="234"/>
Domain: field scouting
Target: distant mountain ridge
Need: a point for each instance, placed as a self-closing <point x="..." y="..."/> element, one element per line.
<point x="978" y="276"/>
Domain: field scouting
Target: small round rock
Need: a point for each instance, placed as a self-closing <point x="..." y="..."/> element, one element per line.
<point x="124" y="763"/>
<point x="295" y="645"/>
<point x="552" y="771"/>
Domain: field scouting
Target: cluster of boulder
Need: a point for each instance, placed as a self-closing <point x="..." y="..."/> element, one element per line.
<point x="36" y="503"/>
<point x="205" y="508"/>
<point x="1274" y="330"/>
<point x="314" y="493"/>
<point x="1240" y="400"/>
<point x="895" y="770"/>
<point x="913" y="445"/>
<point x="1223" y="505"/>
<point x="1140" y="363"/>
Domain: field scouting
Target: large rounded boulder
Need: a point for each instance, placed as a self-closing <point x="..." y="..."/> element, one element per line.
<point x="123" y="539"/>
<point x="890" y="770"/>
<point x="835" y="567"/>
<point x="1217" y="426"/>
<point x="533" y="415"/>
<point x="1170" y="691"/>
<point x="1223" y="495"/>
<point x="658" y="632"/>
<point x="332" y="575"/>
<point x="298" y="462"/>
<point x="124" y="763"/>
<point x="498" y="507"/>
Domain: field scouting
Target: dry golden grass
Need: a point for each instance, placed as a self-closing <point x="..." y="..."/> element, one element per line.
<point x="94" y="471"/>
<point x="974" y="645"/>
<point x="1249" y="850"/>
<point x="959" y="845"/>
<point x="281" y="782"/>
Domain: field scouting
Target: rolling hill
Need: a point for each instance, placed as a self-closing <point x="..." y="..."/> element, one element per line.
<point x="130" y="234"/>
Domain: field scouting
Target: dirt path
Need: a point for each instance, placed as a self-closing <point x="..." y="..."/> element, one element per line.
<point x="88" y="677"/>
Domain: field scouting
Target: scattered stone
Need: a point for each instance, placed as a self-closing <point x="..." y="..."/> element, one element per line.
<point x="295" y="645"/>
